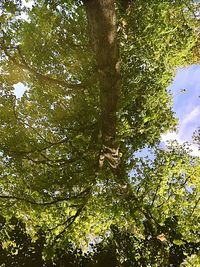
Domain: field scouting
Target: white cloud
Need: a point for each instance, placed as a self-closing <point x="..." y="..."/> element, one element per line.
<point x="195" y="150"/>
<point x="192" y="116"/>
<point x="171" y="136"/>
<point x="27" y="3"/>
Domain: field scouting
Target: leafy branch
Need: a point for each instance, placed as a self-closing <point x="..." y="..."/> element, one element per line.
<point x="17" y="198"/>
<point x="45" y="78"/>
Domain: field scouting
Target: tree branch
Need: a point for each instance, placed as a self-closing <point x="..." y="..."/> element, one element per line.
<point x="24" y="65"/>
<point x="68" y="222"/>
<point x="45" y="77"/>
<point x="80" y="195"/>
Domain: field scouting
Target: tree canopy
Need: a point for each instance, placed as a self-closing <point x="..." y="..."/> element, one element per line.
<point x="96" y="75"/>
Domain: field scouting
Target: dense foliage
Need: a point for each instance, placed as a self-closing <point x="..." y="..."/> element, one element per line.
<point x="55" y="195"/>
<point x="119" y="248"/>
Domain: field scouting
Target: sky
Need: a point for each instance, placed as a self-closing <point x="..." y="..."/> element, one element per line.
<point x="186" y="104"/>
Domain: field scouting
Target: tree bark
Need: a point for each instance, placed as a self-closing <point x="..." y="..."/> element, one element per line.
<point x="102" y="27"/>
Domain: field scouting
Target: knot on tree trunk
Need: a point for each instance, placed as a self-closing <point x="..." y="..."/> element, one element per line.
<point x="112" y="155"/>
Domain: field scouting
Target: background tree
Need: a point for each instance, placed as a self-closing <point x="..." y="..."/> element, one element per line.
<point x="96" y="75"/>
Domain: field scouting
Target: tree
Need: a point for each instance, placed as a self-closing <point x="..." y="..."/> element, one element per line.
<point x="96" y="74"/>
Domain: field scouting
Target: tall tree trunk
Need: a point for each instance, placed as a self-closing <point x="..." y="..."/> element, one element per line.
<point x="102" y="27"/>
<point x="103" y="37"/>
